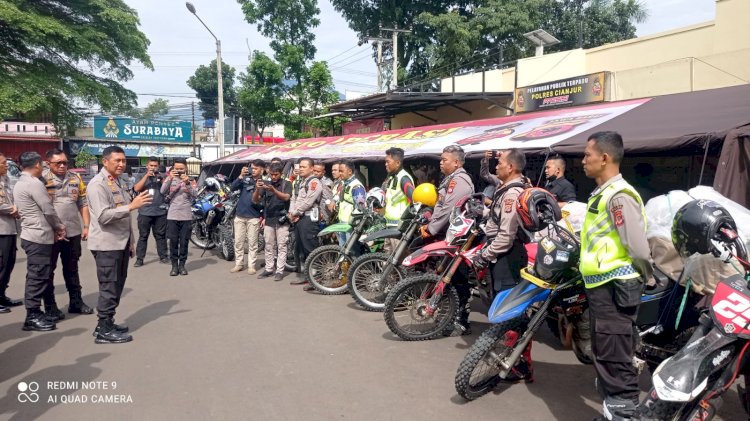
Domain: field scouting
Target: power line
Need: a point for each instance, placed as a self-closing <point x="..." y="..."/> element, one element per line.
<point x="343" y="59"/>
<point x="346" y="51"/>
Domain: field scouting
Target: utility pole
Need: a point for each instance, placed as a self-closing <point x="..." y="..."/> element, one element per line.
<point x="394" y="77"/>
<point x="192" y="107"/>
<point x="379" y="43"/>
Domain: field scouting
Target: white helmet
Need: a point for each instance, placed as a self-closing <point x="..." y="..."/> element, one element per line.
<point x="212" y="184"/>
<point x="376" y="197"/>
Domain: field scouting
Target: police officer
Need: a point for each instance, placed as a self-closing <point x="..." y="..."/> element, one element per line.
<point x="484" y="170"/>
<point x="615" y="261"/>
<point x="180" y="192"/>
<point x="68" y="193"/>
<point x="456" y="185"/>
<point x="111" y="240"/>
<point x="353" y="196"/>
<point x="304" y="212"/>
<point x="40" y="228"/>
<point x="319" y="171"/>
<point x="8" y="231"/>
<point x="557" y="184"/>
<point x="152" y="217"/>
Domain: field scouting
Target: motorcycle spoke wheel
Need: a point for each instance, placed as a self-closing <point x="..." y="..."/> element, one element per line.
<point x="324" y="271"/>
<point x="407" y="311"/>
<point x="479" y="372"/>
<point x="364" y="284"/>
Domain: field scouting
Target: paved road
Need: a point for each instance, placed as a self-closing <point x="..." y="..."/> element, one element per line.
<point x="215" y="345"/>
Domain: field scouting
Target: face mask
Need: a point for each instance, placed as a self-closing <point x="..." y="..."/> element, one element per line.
<point x="552" y="178"/>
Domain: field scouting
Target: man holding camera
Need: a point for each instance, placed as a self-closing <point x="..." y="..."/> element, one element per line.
<point x="304" y="212"/>
<point x="152" y="217"/>
<point x="274" y="197"/>
<point x="247" y="217"/>
<point x="180" y="192"/>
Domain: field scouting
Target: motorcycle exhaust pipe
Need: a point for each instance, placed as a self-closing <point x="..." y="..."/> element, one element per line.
<point x="210" y="217"/>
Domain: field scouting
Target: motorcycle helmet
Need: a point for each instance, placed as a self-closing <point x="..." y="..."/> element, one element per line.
<point x="554" y="255"/>
<point x="212" y="184"/>
<point x="376" y="197"/>
<point x="425" y="194"/>
<point x="472" y="205"/>
<point x="537" y="209"/>
<point x="697" y="223"/>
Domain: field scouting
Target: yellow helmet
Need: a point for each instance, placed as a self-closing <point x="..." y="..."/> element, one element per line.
<point x="425" y="194"/>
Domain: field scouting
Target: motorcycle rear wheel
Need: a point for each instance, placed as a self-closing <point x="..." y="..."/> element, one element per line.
<point x="325" y="273"/>
<point x="226" y="242"/>
<point x="291" y="250"/>
<point x="200" y="238"/>
<point x="362" y="280"/>
<point x="481" y="358"/>
<point x="405" y="304"/>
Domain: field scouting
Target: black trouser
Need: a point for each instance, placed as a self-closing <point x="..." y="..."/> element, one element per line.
<point x="157" y="224"/>
<point x="69" y="252"/>
<point x="178" y="233"/>
<point x="111" y="271"/>
<point x="7" y="260"/>
<point x="506" y="271"/>
<point x="38" y="268"/>
<point x="307" y="238"/>
<point x="613" y="342"/>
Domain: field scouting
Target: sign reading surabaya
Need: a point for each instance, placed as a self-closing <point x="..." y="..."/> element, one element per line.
<point x="121" y="128"/>
<point x="538" y="130"/>
<point x="578" y="90"/>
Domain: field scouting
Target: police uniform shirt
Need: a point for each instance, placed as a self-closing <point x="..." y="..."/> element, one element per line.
<point x="39" y="221"/>
<point x="68" y="194"/>
<point x="505" y="230"/>
<point x="625" y="213"/>
<point x="8" y="224"/>
<point x="327" y="194"/>
<point x="110" y="216"/>
<point x="562" y="189"/>
<point x="453" y="188"/>
<point x="486" y="174"/>
<point x="181" y="195"/>
<point x="307" y="196"/>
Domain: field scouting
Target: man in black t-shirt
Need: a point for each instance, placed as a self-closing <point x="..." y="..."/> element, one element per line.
<point x="152" y="217"/>
<point x="274" y="197"/>
<point x="557" y="184"/>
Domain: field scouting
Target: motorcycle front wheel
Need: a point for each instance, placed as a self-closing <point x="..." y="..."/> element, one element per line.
<point x="226" y="241"/>
<point x="479" y="372"/>
<point x="291" y="256"/>
<point x="325" y="272"/>
<point x="363" y="280"/>
<point x="407" y="308"/>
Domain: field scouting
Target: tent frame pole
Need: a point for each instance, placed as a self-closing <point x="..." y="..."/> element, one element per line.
<point x="705" y="157"/>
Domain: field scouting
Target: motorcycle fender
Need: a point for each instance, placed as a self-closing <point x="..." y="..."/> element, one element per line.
<point x="511" y="303"/>
<point x="684" y="376"/>
<point x="386" y="233"/>
<point x="339" y="227"/>
<point x="436" y="249"/>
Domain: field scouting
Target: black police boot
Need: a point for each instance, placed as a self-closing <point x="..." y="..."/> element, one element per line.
<point x="35" y="320"/>
<point x="181" y="268"/>
<point x="9" y="302"/>
<point x="77" y="305"/>
<point x="119" y="328"/>
<point x="53" y="314"/>
<point x="175" y="271"/>
<point x="138" y="263"/>
<point x="108" y="334"/>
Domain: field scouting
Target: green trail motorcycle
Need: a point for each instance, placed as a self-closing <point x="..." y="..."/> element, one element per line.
<point x="327" y="266"/>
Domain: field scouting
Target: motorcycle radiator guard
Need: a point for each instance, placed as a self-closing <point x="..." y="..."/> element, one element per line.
<point x="337" y="227"/>
<point x="511" y="303"/>
<point x="684" y="376"/>
<point x="438" y="248"/>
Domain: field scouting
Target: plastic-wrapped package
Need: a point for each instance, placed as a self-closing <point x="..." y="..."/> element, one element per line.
<point x="740" y="214"/>
<point x="660" y="212"/>
<point x="704" y="271"/>
<point x="575" y="213"/>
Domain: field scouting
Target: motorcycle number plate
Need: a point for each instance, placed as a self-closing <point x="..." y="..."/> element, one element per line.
<point x="731" y="308"/>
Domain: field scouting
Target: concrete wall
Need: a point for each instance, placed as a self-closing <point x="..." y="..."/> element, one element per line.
<point x="479" y="110"/>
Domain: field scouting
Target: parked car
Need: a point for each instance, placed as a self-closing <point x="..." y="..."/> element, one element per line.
<point x="14" y="171"/>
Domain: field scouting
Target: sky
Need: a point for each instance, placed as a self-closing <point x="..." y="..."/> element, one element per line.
<point x="179" y="43"/>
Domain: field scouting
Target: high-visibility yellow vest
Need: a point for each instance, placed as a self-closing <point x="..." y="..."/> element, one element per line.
<point x="346" y="207"/>
<point x="603" y="257"/>
<point x="396" y="201"/>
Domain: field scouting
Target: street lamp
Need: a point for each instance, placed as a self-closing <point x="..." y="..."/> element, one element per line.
<point x="220" y="126"/>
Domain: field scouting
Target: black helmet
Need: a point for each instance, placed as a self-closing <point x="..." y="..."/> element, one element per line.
<point x="555" y="254"/>
<point x="697" y="223"/>
<point x="537" y="209"/>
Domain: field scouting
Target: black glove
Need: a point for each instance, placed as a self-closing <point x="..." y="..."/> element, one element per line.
<point x="480" y="262"/>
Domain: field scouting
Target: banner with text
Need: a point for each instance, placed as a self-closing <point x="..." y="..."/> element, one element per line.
<point x="122" y="128"/>
<point x="532" y="131"/>
<point x="578" y="90"/>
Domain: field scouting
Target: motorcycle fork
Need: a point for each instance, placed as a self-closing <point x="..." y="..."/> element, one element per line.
<point x="395" y="253"/>
<point x="437" y="292"/>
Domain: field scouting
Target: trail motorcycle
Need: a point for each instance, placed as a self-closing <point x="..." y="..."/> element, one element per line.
<point x="689" y="385"/>
<point x="552" y="289"/>
<point x="424" y="306"/>
<point x="208" y="211"/>
<point x="327" y="266"/>
<point x="373" y="275"/>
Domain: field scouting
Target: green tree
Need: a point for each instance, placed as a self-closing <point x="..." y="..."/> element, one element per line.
<point x="289" y="25"/>
<point x="59" y="57"/>
<point x="319" y="87"/>
<point x="83" y="158"/>
<point x="204" y="82"/>
<point x="261" y="96"/>
<point x="157" y="108"/>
